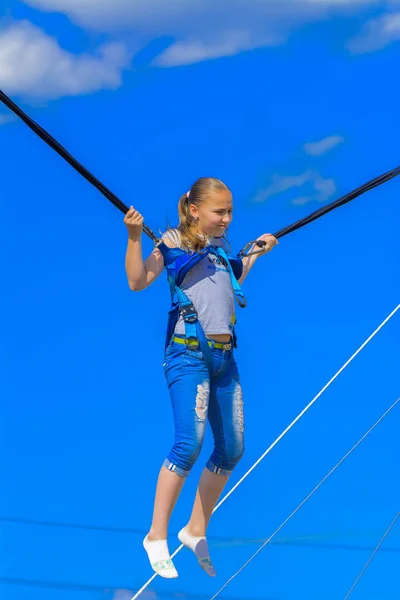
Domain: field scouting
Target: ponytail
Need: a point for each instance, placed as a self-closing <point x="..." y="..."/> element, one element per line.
<point x="192" y="239"/>
<point x="183" y="209"/>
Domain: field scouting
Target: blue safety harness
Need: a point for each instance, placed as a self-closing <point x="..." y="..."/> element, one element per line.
<point x="178" y="263"/>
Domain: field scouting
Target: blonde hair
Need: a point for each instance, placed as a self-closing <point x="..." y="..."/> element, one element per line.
<point x="191" y="238"/>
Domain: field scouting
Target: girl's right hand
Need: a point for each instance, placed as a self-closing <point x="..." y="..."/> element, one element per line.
<point x="134" y="223"/>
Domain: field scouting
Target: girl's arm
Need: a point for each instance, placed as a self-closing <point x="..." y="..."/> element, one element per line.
<point x="248" y="261"/>
<point x="140" y="274"/>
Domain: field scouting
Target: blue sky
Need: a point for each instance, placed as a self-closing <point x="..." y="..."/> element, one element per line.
<point x="292" y="104"/>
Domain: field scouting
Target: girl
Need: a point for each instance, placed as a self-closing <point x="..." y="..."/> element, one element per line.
<point x="200" y="367"/>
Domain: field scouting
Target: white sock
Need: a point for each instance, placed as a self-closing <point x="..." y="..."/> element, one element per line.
<point x="200" y="547"/>
<point x="159" y="558"/>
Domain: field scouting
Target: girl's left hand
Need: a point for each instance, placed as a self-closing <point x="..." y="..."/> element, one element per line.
<point x="270" y="240"/>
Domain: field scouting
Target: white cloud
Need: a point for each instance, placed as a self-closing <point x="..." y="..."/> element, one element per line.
<point x="377" y="34"/>
<point x="201" y="29"/>
<point x="323" y="146"/>
<point x="4" y="119"/>
<point x="192" y="51"/>
<point x="321" y="189"/>
<point x="119" y="13"/>
<point x="325" y="187"/>
<point x="32" y="63"/>
<point x="282" y="184"/>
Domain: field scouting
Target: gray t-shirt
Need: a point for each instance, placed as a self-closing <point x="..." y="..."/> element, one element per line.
<point x="208" y="286"/>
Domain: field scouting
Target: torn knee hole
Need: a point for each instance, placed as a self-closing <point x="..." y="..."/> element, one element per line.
<point x="239" y="406"/>
<point x="202" y="401"/>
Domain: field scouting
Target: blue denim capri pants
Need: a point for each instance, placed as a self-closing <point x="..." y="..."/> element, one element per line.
<point x="197" y="396"/>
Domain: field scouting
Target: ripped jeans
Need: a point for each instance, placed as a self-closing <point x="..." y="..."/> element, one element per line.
<point x="196" y="396"/>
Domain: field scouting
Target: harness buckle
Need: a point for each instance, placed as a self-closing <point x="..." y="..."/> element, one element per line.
<point x="189" y="313"/>
<point x="192" y="342"/>
<point x="241" y="300"/>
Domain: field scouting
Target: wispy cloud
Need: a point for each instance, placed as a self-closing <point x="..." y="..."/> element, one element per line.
<point x="4" y="119"/>
<point x="324" y="189"/>
<point x="33" y="63"/>
<point x="201" y="29"/>
<point x="323" y="146"/>
<point x="377" y="34"/>
<point x="316" y="187"/>
<point x="283" y="183"/>
<point x="191" y="51"/>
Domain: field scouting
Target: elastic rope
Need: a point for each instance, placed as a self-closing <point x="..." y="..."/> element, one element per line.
<point x="306" y="499"/>
<point x="46" y="137"/>
<point x="281" y="435"/>
<point x="343" y="200"/>
<point x="52" y="142"/>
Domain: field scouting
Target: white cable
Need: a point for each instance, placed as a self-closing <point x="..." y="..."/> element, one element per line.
<point x="282" y="435"/>
<point x="372" y="556"/>
<point x="305" y="500"/>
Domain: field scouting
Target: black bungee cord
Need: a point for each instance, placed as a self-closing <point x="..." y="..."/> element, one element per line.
<point x="46" y="137"/>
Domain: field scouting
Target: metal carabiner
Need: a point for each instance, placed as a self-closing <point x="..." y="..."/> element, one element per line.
<point x="260" y="243"/>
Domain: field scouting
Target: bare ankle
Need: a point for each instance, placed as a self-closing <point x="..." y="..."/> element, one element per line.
<point x="154" y="535"/>
<point x="195" y="530"/>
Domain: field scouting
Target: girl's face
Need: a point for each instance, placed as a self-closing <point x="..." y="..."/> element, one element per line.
<point x="215" y="214"/>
